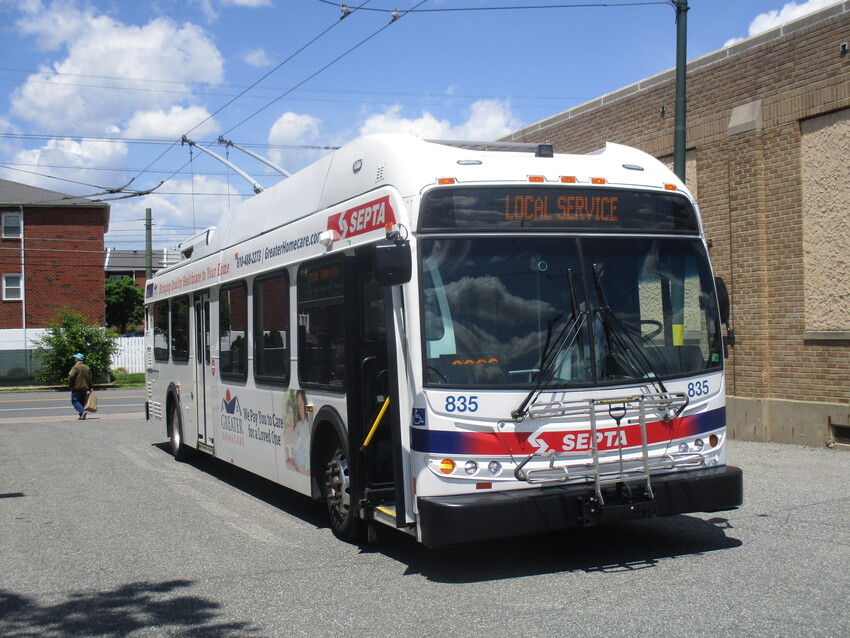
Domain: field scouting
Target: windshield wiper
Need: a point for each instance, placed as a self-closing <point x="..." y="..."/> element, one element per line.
<point x="618" y="333"/>
<point x="549" y="355"/>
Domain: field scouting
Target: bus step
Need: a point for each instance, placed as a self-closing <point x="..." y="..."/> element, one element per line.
<point x="203" y="447"/>
<point x="378" y="495"/>
<point x="385" y="514"/>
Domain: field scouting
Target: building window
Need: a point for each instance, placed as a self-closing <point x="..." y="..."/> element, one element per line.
<point x="12" y="227"/>
<point x="12" y="287"/>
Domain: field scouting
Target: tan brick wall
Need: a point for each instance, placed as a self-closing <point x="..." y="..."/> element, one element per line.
<point x="751" y="195"/>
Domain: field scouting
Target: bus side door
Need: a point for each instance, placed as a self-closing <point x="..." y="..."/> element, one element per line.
<point x="203" y="376"/>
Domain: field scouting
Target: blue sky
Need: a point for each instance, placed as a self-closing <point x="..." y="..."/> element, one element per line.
<point x="96" y="93"/>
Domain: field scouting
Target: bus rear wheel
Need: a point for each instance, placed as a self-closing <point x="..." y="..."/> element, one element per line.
<point x="345" y="523"/>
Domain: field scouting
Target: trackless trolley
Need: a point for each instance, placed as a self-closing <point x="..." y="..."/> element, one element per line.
<point x="463" y="341"/>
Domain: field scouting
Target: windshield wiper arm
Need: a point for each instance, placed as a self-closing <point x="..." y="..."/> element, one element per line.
<point x="549" y="356"/>
<point x="621" y="331"/>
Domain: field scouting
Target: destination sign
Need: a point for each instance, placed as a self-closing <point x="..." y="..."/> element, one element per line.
<point x="557" y="208"/>
<point x="597" y="208"/>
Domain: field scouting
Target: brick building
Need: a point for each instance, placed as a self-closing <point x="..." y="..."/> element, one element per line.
<point x="51" y="256"/>
<point x="768" y="161"/>
<point x="133" y="263"/>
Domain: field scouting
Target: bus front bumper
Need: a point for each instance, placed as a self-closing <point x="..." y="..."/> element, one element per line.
<point x="448" y="520"/>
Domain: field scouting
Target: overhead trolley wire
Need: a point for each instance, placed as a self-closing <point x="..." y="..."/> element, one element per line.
<point x="511" y="8"/>
<point x="236" y="97"/>
<point x="327" y="66"/>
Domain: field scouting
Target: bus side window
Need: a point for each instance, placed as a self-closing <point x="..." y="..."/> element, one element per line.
<point x="321" y="324"/>
<point x="271" y="328"/>
<point x="180" y="308"/>
<point x="233" y="322"/>
<point x="160" y="331"/>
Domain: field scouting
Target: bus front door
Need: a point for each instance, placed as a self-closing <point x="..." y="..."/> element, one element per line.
<point x="203" y="372"/>
<point x="370" y="404"/>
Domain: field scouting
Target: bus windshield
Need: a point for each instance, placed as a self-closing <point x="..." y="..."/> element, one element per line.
<point x="556" y="312"/>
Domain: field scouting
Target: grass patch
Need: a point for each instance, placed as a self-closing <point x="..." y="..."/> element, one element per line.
<point x="130" y="380"/>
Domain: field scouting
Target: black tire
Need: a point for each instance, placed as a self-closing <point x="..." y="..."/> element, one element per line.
<point x="336" y="491"/>
<point x="178" y="448"/>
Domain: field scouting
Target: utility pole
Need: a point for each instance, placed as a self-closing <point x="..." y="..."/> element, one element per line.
<point x="680" y="124"/>
<point x="148" y="245"/>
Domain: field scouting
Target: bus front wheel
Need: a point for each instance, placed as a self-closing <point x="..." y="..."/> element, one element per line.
<point x="345" y="523"/>
<point x="178" y="449"/>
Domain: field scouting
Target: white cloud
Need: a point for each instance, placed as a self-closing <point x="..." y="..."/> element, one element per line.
<point x="184" y="207"/>
<point x="772" y="19"/>
<point x="293" y="129"/>
<point x="208" y="7"/>
<point x="257" y="58"/>
<point x="488" y="120"/>
<point x="74" y="161"/>
<point x="247" y="3"/>
<point x="54" y="26"/>
<point x="110" y="69"/>
<point x="170" y="124"/>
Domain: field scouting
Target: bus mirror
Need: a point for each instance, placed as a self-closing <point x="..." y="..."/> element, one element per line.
<point x="722" y="299"/>
<point x="391" y="262"/>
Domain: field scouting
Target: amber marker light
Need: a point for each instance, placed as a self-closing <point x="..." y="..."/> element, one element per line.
<point x="447" y="466"/>
<point x="537" y="179"/>
<point x="713" y="440"/>
<point x="670" y="187"/>
<point x="445" y="181"/>
<point x="598" y="180"/>
<point x="568" y="179"/>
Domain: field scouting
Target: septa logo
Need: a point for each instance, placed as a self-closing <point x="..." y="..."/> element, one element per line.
<point x="580" y="441"/>
<point x="363" y="219"/>
<point x="231" y="406"/>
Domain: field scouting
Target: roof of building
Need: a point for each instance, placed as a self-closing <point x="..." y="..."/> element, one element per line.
<point x="17" y="194"/>
<point x="725" y="53"/>
<point x="134" y="260"/>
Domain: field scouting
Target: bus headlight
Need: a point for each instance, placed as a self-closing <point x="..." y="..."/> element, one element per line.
<point x="494" y="467"/>
<point x="470" y="467"/>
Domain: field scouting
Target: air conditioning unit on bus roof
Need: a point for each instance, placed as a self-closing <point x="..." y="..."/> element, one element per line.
<point x="188" y="246"/>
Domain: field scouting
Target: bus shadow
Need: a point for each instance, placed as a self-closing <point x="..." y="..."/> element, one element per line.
<point x="619" y="547"/>
<point x="289" y="501"/>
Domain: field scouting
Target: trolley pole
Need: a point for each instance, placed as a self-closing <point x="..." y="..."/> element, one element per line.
<point x="680" y="124"/>
<point x="148" y="245"/>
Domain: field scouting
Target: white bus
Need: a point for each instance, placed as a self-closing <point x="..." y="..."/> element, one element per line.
<point x="463" y="341"/>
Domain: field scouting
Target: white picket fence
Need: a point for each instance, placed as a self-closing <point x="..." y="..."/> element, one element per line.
<point x="130" y="354"/>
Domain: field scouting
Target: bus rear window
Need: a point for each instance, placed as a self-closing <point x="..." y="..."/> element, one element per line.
<point x="557" y="208"/>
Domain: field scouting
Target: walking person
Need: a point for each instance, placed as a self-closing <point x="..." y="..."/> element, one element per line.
<point x="80" y="380"/>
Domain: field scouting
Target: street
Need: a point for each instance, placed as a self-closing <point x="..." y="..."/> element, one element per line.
<point x="104" y="534"/>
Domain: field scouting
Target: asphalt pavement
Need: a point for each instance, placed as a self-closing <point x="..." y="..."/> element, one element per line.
<point x="104" y="534"/>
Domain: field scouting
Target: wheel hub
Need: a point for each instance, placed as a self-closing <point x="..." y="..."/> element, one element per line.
<point x="338" y="486"/>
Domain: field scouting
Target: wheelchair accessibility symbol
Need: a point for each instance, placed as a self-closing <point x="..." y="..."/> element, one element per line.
<point x="418" y="416"/>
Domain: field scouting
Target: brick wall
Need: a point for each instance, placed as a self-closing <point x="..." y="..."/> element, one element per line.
<point x="63" y="267"/>
<point x="751" y="199"/>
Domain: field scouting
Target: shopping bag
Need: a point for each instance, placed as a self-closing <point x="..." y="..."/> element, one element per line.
<point x="91" y="402"/>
